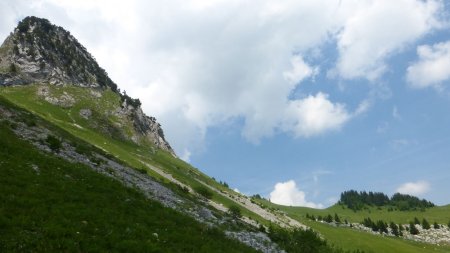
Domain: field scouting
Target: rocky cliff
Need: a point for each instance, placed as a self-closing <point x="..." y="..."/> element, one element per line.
<point x="38" y="52"/>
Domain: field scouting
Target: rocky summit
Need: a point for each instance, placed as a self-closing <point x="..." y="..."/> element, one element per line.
<point x="38" y="52"/>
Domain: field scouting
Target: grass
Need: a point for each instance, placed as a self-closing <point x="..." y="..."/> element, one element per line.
<point x="131" y="153"/>
<point x="351" y="239"/>
<point x="137" y="155"/>
<point x="440" y="214"/>
<point x="51" y="205"/>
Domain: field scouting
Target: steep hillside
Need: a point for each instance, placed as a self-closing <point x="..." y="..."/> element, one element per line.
<point x="53" y="202"/>
<point x="40" y="52"/>
<point x="77" y="119"/>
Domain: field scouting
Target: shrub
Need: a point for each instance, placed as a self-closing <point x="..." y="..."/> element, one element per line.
<point x="412" y="229"/>
<point x="202" y="190"/>
<point x="53" y="143"/>
<point x="235" y="211"/>
<point x="142" y="170"/>
<point x="436" y="226"/>
<point x="425" y="224"/>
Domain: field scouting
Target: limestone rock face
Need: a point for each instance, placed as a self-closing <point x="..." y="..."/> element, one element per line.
<point x="40" y="52"/>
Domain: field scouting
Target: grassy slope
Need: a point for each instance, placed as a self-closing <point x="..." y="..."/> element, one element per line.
<point x="440" y="214"/>
<point x="66" y="207"/>
<point x="352" y="239"/>
<point x="134" y="155"/>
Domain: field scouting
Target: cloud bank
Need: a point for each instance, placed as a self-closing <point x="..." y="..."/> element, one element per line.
<point x="202" y="64"/>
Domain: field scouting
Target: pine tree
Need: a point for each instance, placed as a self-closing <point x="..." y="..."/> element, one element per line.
<point x="336" y="218"/>
<point x="412" y="229"/>
<point x="425" y="224"/>
<point x="416" y="221"/>
<point x="395" y="230"/>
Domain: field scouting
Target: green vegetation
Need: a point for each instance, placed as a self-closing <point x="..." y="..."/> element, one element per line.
<point x="51" y="205"/>
<point x="53" y="143"/>
<point x="205" y="192"/>
<point x="235" y="211"/>
<point x="97" y="129"/>
<point x="412" y="229"/>
<point x="303" y="241"/>
<point x="358" y="200"/>
<point x="350" y="239"/>
<point x="101" y="131"/>
<point x="425" y="224"/>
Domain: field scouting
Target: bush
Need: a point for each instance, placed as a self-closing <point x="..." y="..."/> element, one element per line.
<point x="412" y="229"/>
<point x="202" y="190"/>
<point x="436" y="226"/>
<point x="142" y="170"/>
<point x="425" y="224"/>
<point x="53" y="143"/>
<point x="235" y="211"/>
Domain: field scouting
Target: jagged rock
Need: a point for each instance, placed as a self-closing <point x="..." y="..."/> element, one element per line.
<point x="40" y="52"/>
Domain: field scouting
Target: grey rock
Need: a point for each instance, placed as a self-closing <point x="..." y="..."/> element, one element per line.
<point x="85" y="113"/>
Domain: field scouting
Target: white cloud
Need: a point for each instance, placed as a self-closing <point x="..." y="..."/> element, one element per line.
<point x="414" y="188"/>
<point x="374" y="30"/>
<point x="186" y="155"/>
<point x="196" y="64"/>
<point x="300" y="70"/>
<point x="432" y="68"/>
<point x="288" y="194"/>
<point x="314" y="115"/>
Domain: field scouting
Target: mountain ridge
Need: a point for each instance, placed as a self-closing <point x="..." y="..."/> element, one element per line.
<point x="40" y="52"/>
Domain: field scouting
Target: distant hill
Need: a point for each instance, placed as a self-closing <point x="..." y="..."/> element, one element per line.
<point x="358" y="200"/>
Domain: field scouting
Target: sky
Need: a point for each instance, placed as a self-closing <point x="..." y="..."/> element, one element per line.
<point x="294" y="100"/>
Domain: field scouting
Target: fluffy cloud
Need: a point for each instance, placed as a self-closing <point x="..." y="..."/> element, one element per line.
<point x="414" y="188"/>
<point x="288" y="194"/>
<point x="314" y="115"/>
<point x="432" y="68"/>
<point x="202" y="64"/>
<point x="374" y="30"/>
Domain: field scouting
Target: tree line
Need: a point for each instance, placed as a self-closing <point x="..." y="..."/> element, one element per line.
<point x="358" y="200"/>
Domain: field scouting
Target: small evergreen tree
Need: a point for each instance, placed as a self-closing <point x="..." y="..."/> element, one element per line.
<point x="336" y="218"/>
<point x="436" y="226"/>
<point x="382" y="227"/>
<point x="425" y="224"/>
<point x="412" y="229"/>
<point x="416" y="221"/>
<point x="394" y="228"/>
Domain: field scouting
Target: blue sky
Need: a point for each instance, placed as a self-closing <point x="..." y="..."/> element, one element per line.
<point x="296" y="101"/>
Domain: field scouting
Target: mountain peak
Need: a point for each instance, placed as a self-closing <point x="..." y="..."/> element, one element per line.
<point x="38" y="51"/>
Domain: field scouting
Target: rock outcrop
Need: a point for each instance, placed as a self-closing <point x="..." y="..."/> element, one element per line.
<point x="40" y="52"/>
